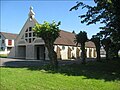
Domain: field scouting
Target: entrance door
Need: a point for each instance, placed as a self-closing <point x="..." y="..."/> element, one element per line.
<point x="69" y="53"/>
<point x="21" y="52"/>
<point x="40" y="52"/>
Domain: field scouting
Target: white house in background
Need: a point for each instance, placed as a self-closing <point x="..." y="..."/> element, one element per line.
<point x="6" y="42"/>
<point x="30" y="47"/>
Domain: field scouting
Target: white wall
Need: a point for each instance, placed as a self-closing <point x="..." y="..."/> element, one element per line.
<point x="64" y="52"/>
<point x="6" y="41"/>
<point x="6" y="51"/>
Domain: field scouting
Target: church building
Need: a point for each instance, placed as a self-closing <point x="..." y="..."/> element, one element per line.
<point x="28" y="46"/>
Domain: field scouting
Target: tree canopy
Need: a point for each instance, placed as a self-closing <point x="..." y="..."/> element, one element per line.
<point x="107" y="12"/>
<point x="81" y="38"/>
<point x="96" y="40"/>
<point x="49" y="32"/>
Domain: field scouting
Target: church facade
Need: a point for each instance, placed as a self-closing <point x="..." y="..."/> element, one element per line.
<point x="28" y="46"/>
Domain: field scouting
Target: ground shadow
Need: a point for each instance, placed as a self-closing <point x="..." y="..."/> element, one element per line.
<point x="109" y="71"/>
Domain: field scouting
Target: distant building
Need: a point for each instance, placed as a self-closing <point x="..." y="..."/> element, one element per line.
<point x="28" y="46"/>
<point x="6" y="42"/>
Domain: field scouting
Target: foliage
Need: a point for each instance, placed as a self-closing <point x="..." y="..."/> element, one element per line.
<point x="81" y="38"/>
<point x="73" y="32"/>
<point x="92" y="76"/>
<point x="49" y="32"/>
<point x="110" y="47"/>
<point x="105" y="12"/>
<point x="99" y="13"/>
<point x="3" y="55"/>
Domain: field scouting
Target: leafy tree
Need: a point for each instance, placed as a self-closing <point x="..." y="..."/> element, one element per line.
<point x="114" y="50"/>
<point x="96" y="40"/>
<point x="81" y="38"/>
<point x="73" y="31"/>
<point x="106" y="12"/>
<point x="106" y="42"/>
<point x="48" y="32"/>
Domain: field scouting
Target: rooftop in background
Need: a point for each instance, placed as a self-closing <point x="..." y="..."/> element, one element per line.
<point x="68" y="38"/>
<point x="9" y="35"/>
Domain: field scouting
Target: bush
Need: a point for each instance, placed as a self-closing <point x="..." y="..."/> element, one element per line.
<point x="3" y="55"/>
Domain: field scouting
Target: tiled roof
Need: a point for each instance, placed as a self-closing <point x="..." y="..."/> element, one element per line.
<point x="67" y="38"/>
<point x="9" y="35"/>
<point x="90" y="44"/>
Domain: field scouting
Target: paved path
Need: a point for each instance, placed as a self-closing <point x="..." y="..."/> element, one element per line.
<point x="26" y="63"/>
<point x="20" y="62"/>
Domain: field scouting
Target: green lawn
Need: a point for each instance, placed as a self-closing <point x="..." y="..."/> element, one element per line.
<point x="92" y="76"/>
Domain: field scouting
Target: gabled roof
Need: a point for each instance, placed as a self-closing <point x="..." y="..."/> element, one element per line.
<point x="68" y="38"/>
<point x="65" y="38"/>
<point x="9" y="35"/>
<point x="90" y="44"/>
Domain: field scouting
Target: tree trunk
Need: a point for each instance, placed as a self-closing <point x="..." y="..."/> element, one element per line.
<point x="83" y="53"/>
<point x="98" y="54"/>
<point x="52" y="55"/>
<point x="116" y="54"/>
<point x="107" y="54"/>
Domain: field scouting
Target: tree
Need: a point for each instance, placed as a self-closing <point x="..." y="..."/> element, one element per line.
<point x="105" y="12"/>
<point x="106" y="43"/>
<point x="96" y="40"/>
<point x="73" y="32"/>
<point x="114" y="50"/>
<point x="81" y="38"/>
<point x="48" y="32"/>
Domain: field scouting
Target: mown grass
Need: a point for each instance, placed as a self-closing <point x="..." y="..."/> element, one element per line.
<point x="92" y="76"/>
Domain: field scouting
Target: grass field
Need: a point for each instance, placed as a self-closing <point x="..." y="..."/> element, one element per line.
<point x="92" y="76"/>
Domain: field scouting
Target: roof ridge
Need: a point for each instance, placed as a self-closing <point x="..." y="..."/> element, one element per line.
<point x="66" y="31"/>
<point x="9" y="33"/>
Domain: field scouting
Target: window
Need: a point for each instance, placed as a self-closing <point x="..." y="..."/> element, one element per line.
<point x="29" y="34"/>
<point x="9" y="42"/>
<point x="26" y="35"/>
<point x="33" y="39"/>
<point x="3" y="41"/>
<point x="26" y="30"/>
<point x="9" y="48"/>
<point x="26" y="39"/>
<point x="30" y="40"/>
<point x="72" y="48"/>
<point x="0" y="36"/>
<point x="63" y="47"/>
<point x="33" y="34"/>
<point x="30" y="17"/>
<point x="30" y="28"/>
<point x="2" y="49"/>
